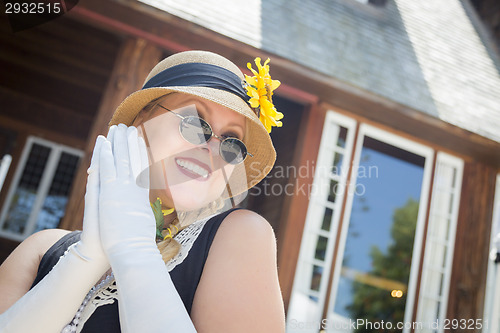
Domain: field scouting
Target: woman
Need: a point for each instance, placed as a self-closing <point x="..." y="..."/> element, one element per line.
<point x="194" y="145"/>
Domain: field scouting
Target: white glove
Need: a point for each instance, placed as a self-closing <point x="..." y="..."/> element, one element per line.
<point x="127" y="229"/>
<point x="54" y="301"/>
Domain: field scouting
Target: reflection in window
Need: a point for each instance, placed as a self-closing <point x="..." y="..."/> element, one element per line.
<point x="40" y="191"/>
<point x="378" y="250"/>
<point x="55" y="203"/>
<point x="25" y="195"/>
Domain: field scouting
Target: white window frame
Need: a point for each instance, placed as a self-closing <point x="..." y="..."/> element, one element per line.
<point x="443" y="160"/>
<point x="43" y="188"/>
<point x="333" y="121"/>
<point x="413" y="147"/>
<point x="491" y="317"/>
<point x="4" y="168"/>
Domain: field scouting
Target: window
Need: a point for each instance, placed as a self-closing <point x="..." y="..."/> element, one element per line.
<point x="382" y="198"/>
<point x="440" y="241"/>
<point x="316" y="252"/>
<point x="379" y="247"/>
<point x="4" y="168"/>
<point x="39" y="194"/>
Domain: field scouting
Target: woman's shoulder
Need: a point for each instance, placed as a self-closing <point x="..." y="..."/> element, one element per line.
<point x="40" y="242"/>
<point x="241" y="265"/>
<point x="243" y="235"/>
<point x="246" y="226"/>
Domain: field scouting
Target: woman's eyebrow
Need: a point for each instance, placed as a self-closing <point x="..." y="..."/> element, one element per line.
<point x="239" y="129"/>
<point x="235" y="129"/>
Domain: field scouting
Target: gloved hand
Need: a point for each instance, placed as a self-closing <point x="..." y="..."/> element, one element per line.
<point x="127" y="229"/>
<point x="89" y="247"/>
<point x="126" y="217"/>
<point x="54" y="301"/>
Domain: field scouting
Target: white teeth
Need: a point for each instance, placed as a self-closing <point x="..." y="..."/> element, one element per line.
<point x="192" y="167"/>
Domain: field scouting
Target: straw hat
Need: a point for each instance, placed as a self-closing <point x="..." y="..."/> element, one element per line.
<point x="257" y="139"/>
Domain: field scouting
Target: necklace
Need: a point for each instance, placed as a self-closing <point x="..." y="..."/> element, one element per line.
<point x="72" y="326"/>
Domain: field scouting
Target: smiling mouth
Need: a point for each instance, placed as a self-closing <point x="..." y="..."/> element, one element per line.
<point x="193" y="169"/>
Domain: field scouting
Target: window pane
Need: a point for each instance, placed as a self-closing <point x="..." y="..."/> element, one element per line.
<point x="438" y="258"/>
<point x="321" y="248"/>
<point x="342" y="137"/>
<point x="434" y="283"/>
<point x="327" y="219"/>
<point x="54" y="205"/>
<point x="317" y="273"/>
<point x="337" y="164"/>
<point x="332" y="192"/>
<point x="378" y="249"/>
<point x="25" y="194"/>
<point x="301" y="309"/>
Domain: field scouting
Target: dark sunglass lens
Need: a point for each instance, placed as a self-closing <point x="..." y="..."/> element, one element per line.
<point x="195" y="130"/>
<point x="233" y="151"/>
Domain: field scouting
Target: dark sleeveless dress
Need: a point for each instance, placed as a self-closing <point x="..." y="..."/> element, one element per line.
<point x="185" y="276"/>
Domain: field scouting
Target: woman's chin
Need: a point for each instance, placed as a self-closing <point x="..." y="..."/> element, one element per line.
<point x="189" y="200"/>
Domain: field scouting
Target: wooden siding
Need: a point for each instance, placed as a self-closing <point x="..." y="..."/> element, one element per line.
<point x="53" y="76"/>
<point x="59" y="69"/>
<point x="269" y="197"/>
<point x="468" y="280"/>
<point x="133" y="63"/>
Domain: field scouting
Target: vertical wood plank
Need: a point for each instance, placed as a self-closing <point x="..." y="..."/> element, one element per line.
<point x="470" y="262"/>
<point x="133" y="63"/>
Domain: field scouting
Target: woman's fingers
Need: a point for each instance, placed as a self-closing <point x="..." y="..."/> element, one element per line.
<point x="92" y="193"/>
<point x="134" y="152"/>
<point x="111" y="133"/>
<point x="121" y="153"/>
<point x="107" y="170"/>
<point x="94" y="161"/>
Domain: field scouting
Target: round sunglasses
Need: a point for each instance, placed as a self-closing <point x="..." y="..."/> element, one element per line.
<point x="197" y="131"/>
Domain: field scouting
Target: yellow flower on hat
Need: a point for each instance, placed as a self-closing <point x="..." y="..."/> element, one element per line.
<point x="260" y="88"/>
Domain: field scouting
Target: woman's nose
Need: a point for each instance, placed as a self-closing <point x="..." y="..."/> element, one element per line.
<point x="212" y="146"/>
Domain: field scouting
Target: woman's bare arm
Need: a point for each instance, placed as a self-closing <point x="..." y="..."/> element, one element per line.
<point x="19" y="270"/>
<point x="239" y="289"/>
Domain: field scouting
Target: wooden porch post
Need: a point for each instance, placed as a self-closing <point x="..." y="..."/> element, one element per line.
<point x="135" y="59"/>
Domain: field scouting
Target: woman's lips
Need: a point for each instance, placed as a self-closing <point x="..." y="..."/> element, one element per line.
<point x="193" y="168"/>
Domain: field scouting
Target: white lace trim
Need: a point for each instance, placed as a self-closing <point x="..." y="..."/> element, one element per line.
<point x="106" y="292"/>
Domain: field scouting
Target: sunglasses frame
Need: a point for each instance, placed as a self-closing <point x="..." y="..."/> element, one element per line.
<point x="222" y="140"/>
